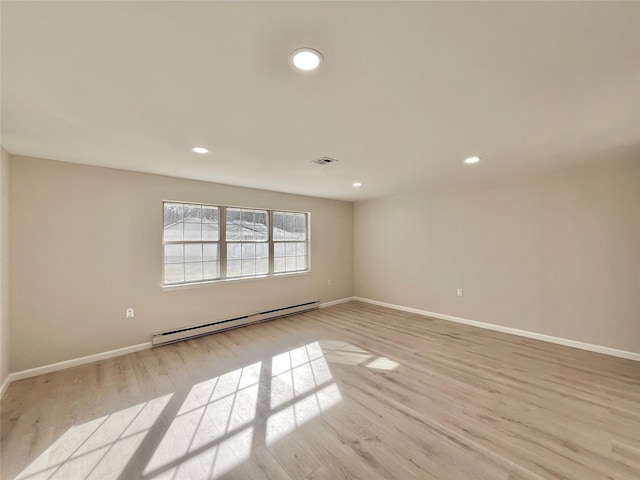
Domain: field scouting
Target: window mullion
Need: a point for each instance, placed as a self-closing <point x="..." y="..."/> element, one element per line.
<point x="222" y="219"/>
<point x="271" y="244"/>
<point x="186" y="242"/>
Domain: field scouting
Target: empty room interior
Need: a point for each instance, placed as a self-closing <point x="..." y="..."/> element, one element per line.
<point x="320" y="240"/>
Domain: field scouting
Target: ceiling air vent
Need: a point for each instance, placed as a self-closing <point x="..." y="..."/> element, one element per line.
<point x="324" y="160"/>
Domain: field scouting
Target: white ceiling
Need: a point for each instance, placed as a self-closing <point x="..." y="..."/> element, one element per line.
<point x="406" y="92"/>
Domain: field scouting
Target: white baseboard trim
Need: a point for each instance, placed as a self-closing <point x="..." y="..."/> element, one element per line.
<point x="513" y="331"/>
<point x="336" y="302"/>
<point x="32" y="372"/>
<point x="5" y="384"/>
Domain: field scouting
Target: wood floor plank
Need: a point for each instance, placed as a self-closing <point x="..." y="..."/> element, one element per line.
<point x="262" y="465"/>
<point x="295" y="460"/>
<point x="353" y="391"/>
<point x="320" y="473"/>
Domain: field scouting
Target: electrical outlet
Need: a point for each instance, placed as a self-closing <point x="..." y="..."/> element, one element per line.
<point x="460" y="292"/>
<point x="130" y="313"/>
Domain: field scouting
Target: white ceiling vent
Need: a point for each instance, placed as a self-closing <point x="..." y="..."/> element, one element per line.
<point x="324" y="160"/>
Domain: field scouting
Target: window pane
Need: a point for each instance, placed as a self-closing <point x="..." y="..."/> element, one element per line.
<point x="248" y="225"/>
<point x="248" y="250"/>
<point x="295" y="253"/>
<point x="234" y="224"/>
<point x="209" y="214"/>
<point x="234" y="268"/>
<point x="290" y="263"/>
<point x="173" y="253"/>
<point x="193" y="252"/>
<point x="262" y="250"/>
<point x="262" y="266"/>
<point x="174" y="272"/>
<point x="289" y="226"/>
<point x="192" y="231"/>
<point x="278" y="226"/>
<point x="260" y="226"/>
<point x="173" y="212"/>
<point x="211" y="270"/>
<point x="210" y="231"/>
<point x="299" y="227"/>
<point x="193" y="272"/>
<point x="173" y="220"/>
<point x="210" y="251"/>
<point x="193" y="213"/>
<point x="173" y="232"/>
<point x="247" y="253"/>
<point x="234" y="251"/>
<point x="248" y="267"/>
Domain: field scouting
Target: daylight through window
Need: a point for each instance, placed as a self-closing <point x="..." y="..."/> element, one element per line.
<point x="203" y="243"/>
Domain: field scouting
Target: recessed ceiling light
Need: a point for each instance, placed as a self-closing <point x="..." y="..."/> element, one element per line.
<point x="200" y="150"/>
<point x="471" y="160"/>
<point x="357" y="184"/>
<point x="306" y="59"/>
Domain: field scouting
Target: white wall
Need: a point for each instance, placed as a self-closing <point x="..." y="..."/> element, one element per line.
<point x="86" y="244"/>
<point x="557" y="254"/>
<point x="4" y="265"/>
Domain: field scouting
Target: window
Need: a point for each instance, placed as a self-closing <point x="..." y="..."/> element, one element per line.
<point x="191" y="243"/>
<point x="202" y="243"/>
<point x="289" y="242"/>
<point x="247" y="242"/>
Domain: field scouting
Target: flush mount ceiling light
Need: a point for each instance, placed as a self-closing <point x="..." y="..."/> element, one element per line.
<point x="471" y="160"/>
<point x="200" y="150"/>
<point x="357" y="184"/>
<point x="306" y="59"/>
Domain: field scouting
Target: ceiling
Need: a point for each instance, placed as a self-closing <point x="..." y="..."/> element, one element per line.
<point x="407" y="91"/>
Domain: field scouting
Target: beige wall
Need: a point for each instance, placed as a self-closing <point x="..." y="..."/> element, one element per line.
<point x="4" y="265"/>
<point x="557" y="254"/>
<point x="86" y="244"/>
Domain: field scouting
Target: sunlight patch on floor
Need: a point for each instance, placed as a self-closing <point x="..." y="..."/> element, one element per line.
<point x="344" y="353"/>
<point x="302" y="411"/>
<point x="382" y="363"/>
<point x="347" y="354"/>
<point x="213" y="428"/>
<point x="98" y="448"/>
<point x="210" y="430"/>
<point x="297" y="372"/>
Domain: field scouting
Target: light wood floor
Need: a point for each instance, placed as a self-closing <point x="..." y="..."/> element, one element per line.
<point x="352" y="391"/>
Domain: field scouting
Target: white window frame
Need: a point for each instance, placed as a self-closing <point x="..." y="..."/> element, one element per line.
<point x="222" y="245"/>
<point x="293" y="241"/>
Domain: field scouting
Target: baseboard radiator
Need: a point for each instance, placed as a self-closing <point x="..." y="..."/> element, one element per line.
<point x="183" y="333"/>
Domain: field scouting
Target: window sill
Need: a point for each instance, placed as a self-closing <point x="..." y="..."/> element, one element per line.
<point x="181" y="286"/>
